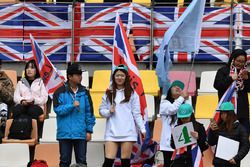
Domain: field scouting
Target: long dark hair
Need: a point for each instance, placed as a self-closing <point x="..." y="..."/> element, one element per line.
<point x="171" y="100"/>
<point x="128" y="89"/>
<point x="228" y="124"/>
<point x="33" y="64"/>
<point x="235" y="53"/>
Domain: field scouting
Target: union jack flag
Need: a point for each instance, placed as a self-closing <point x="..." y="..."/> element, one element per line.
<point x="50" y="24"/>
<point x="51" y="78"/>
<point x="93" y="25"/>
<point x="122" y="54"/>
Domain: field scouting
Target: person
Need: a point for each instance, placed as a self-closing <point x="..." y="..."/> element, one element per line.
<point x="75" y="118"/>
<point x="30" y="95"/>
<point x="236" y="70"/>
<point x="185" y="115"/>
<point x="121" y="106"/>
<point x="6" y="97"/>
<point x="168" y="110"/>
<point x="231" y="128"/>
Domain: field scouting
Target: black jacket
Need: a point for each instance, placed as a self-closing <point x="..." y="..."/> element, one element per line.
<point x="223" y="81"/>
<point x="186" y="158"/>
<point x="239" y="134"/>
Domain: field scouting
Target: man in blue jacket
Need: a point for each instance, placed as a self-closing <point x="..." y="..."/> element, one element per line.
<point x="75" y="118"/>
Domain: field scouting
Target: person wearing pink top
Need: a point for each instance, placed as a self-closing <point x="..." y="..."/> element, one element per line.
<point x="31" y="95"/>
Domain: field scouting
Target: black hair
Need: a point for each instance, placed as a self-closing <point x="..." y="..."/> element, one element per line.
<point x="235" y="53"/>
<point x="33" y="63"/>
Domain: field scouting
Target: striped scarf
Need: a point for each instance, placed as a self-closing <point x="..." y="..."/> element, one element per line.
<point x="239" y="81"/>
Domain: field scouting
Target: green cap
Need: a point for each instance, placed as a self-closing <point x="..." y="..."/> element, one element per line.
<point x="227" y="106"/>
<point x="178" y="83"/>
<point x="121" y="67"/>
<point x="184" y="111"/>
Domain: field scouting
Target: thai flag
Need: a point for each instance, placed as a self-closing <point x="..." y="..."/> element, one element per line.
<point x="196" y="155"/>
<point x="122" y="54"/>
<point x="229" y="95"/>
<point x="52" y="79"/>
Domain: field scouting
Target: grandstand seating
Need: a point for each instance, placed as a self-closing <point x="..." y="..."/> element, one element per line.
<point x="49" y="131"/>
<point x="207" y="82"/>
<point x="148" y="77"/>
<point x="96" y="99"/>
<point x="14" y="155"/>
<point x="49" y="153"/>
<point x="12" y="74"/>
<point x="99" y="130"/>
<point x="52" y="113"/>
<point x="157" y="130"/>
<point x="184" y="77"/>
<point x="150" y="107"/>
<point x="206" y="106"/>
<point x="31" y="142"/>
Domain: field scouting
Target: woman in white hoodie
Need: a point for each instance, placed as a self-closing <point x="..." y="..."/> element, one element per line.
<point x="168" y="111"/>
<point x="31" y="95"/>
<point x="121" y="106"/>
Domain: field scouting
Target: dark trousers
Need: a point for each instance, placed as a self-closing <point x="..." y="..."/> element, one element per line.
<point x="65" y="148"/>
<point x="167" y="158"/>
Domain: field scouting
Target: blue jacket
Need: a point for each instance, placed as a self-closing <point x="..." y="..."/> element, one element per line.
<point x="73" y="122"/>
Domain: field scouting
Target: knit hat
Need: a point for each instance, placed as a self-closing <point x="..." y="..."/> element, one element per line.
<point x="178" y="83"/>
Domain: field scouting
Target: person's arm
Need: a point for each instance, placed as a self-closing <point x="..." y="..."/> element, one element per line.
<point x="202" y="138"/>
<point x="167" y="108"/>
<point x="135" y="105"/>
<point x="17" y="94"/>
<point x="7" y="91"/>
<point x="61" y="108"/>
<point x="222" y="80"/>
<point x="89" y="116"/>
<point x="244" y="145"/>
<point x="104" y="109"/>
<point x="212" y="137"/>
<point x="44" y="95"/>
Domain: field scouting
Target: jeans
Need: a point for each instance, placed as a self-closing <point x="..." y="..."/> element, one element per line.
<point x="65" y="148"/>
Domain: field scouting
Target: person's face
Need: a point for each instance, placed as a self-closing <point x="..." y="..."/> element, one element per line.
<point x="239" y="62"/>
<point x="223" y="116"/>
<point x="31" y="71"/>
<point x="185" y="120"/>
<point x="75" y="78"/>
<point x="176" y="91"/>
<point x="120" y="78"/>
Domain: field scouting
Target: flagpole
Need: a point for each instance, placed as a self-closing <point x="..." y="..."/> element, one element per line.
<point x="231" y="27"/>
<point x="73" y="32"/>
<point x="193" y="55"/>
<point x="151" y="37"/>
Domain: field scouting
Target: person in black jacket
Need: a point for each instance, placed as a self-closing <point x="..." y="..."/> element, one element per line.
<point x="236" y="70"/>
<point x="185" y="115"/>
<point x="229" y="127"/>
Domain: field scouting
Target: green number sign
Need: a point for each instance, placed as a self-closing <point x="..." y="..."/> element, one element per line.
<point x="184" y="136"/>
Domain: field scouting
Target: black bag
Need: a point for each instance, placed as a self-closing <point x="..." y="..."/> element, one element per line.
<point x="21" y="128"/>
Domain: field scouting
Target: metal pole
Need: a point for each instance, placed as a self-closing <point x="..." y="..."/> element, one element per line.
<point x="151" y="36"/>
<point x="231" y="27"/>
<point x="73" y="33"/>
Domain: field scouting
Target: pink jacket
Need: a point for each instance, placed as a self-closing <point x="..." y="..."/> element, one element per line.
<point x="36" y="92"/>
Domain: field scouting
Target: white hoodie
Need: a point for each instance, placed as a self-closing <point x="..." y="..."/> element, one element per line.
<point x="121" y="125"/>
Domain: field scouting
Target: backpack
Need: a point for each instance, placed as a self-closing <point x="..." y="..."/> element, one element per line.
<point x="21" y="128"/>
<point x="38" y="163"/>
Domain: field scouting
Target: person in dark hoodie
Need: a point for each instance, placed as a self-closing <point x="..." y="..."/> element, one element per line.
<point x="236" y="70"/>
<point x="228" y="127"/>
<point x="185" y="115"/>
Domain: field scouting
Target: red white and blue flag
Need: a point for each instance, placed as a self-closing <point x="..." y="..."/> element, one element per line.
<point x="196" y="155"/>
<point x="122" y="54"/>
<point x="52" y="79"/>
<point x="229" y="95"/>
